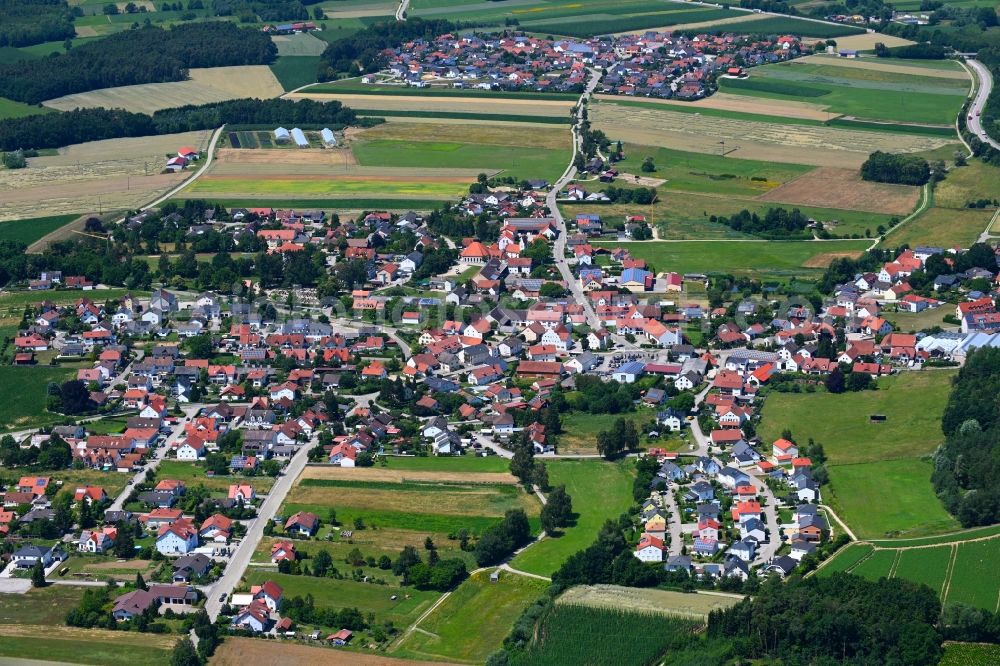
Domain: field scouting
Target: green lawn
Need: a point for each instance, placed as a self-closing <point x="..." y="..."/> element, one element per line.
<point x="366" y="597"/>
<point x="473" y="621"/>
<point x="909" y="322"/>
<point x="865" y="94"/>
<point x="25" y="397"/>
<point x="891" y="497"/>
<point x="710" y="173"/>
<point x="913" y="403"/>
<point x="193" y="474"/>
<point x="11" y="300"/>
<point x="580" y="429"/>
<point x="941" y="227"/>
<point x="599" y="490"/>
<point x="519" y="161"/>
<point x="11" y="109"/>
<point x="739" y="257"/>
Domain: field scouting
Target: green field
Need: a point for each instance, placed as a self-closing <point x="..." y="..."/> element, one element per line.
<point x="902" y="491"/>
<point x="599" y="491"/>
<point x="472" y="623"/>
<point x="878" y="565"/>
<point x="84" y="649"/>
<point x="913" y="403"/>
<point x="714" y="174"/>
<point x="294" y="71"/>
<point x="942" y="227"/>
<point x="570" y="634"/>
<point x="347" y="203"/>
<point x="45" y="605"/>
<point x="464" y="115"/>
<point x="355" y="87"/>
<point x="845" y="559"/>
<point x="30" y="230"/>
<point x="976" y="577"/>
<point x="25" y="406"/>
<point x="11" y="109"/>
<point x="866" y="94"/>
<point x="520" y="161"/>
<point x="353" y="188"/>
<point x="580" y="429"/>
<point x="449" y="463"/>
<point x="781" y="25"/>
<point x="366" y="597"/>
<point x="970" y="654"/>
<point x="738" y="257"/>
<point x="927" y="566"/>
<point x="951" y="537"/>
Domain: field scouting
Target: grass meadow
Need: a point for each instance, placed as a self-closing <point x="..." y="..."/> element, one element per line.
<point x="193" y="474"/>
<point x="347" y="188"/>
<point x="294" y="71"/>
<point x="599" y="491"/>
<point x="25" y="407"/>
<point x="861" y="93"/>
<point x="473" y="621"/>
<point x="740" y="257"/>
<point x="12" y="109"/>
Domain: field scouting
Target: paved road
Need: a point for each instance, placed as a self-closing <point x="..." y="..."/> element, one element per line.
<point x="241" y="558"/>
<point x="559" y="247"/>
<point x="974" y="120"/>
<point x="401" y="10"/>
<point x="158" y="455"/>
<point x="198" y="174"/>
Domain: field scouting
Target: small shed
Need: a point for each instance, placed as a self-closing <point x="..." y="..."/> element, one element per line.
<point x="495" y="576"/>
<point x="329" y="139"/>
<point x="282" y="135"/>
<point x="299" y="137"/>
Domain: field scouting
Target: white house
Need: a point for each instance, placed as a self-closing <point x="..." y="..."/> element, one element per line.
<point x="649" y="549"/>
<point x="193" y="449"/>
<point x="178" y="538"/>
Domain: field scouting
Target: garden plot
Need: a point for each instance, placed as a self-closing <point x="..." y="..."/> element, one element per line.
<point x="215" y="84"/>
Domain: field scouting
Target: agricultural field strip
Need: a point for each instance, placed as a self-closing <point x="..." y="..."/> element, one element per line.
<point x="643" y="600"/>
<point x="887" y="66"/>
<point x="822" y="75"/>
<point x="204" y="85"/>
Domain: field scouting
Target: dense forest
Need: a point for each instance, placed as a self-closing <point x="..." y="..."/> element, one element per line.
<point x="62" y="129"/>
<point x="840" y="619"/>
<point x="362" y="51"/>
<point x="27" y="22"/>
<point x="143" y="55"/>
<point x="776" y="223"/>
<point x="900" y="169"/>
<point x="249" y="11"/>
<point x="966" y="466"/>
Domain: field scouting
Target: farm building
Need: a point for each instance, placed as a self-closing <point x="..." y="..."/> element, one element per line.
<point x="329" y="139"/>
<point x="300" y="138"/>
<point x="188" y="153"/>
<point x="281" y="135"/>
<point x="176" y="164"/>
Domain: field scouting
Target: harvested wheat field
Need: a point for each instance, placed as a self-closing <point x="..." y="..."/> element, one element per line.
<point x="94" y="176"/>
<point x="764" y="141"/>
<point x="644" y="600"/>
<point x="471" y="104"/>
<point x="881" y="65"/>
<point x="867" y="41"/>
<point x="241" y="651"/>
<point x="401" y="476"/>
<point x="743" y="104"/>
<point x="214" y="84"/>
<point x="824" y="259"/>
<point x="829" y="187"/>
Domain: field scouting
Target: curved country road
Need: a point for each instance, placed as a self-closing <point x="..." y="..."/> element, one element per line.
<point x="979" y="102"/>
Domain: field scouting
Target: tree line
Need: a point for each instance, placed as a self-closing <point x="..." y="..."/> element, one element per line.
<point x="27" y="22"/>
<point x="250" y="11"/>
<point x="143" y="55"/>
<point x="966" y="466"/>
<point x="81" y="125"/>
<point x="776" y="223"/>
<point x="900" y="169"/>
<point x="363" y="51"/>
